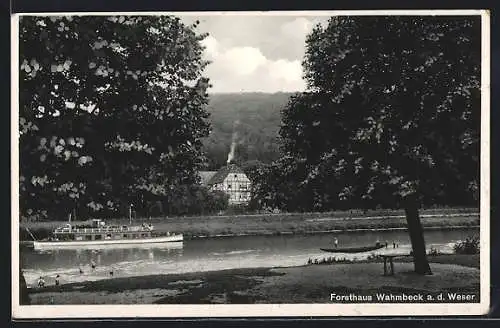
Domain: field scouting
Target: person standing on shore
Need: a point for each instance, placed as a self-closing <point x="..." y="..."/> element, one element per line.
<point x="41" y="282"/>
<point x="336" y="242"/>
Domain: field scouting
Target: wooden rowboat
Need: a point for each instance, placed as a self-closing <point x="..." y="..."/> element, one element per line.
<point x="353" y="249"/>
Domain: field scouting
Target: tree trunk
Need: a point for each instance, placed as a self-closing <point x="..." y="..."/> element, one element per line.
<point x="24" y="298"/>
<point x="416" y="236"/>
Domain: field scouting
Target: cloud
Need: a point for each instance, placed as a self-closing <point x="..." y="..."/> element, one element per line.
<point x="210" y="45"/>
<point x="297" y="28"/>
<point x="244" y="60"/>
<point x="289" y="71"/>
<point x="256" y="53"/>
<point x="233" y="60"/>
<point x="246" y="69"/>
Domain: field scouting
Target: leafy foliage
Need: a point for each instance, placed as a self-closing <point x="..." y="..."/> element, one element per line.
<point x="111" y="112"/>
<point x="468" y="246"/>
<point x="393" y="108"/>
<point x="195" y="199"/>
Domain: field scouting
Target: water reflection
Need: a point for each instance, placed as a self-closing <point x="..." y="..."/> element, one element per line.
<point x="100" y="248"/>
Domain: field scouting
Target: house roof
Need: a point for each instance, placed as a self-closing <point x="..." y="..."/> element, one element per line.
<point x="223" y="172"/>
<point x="206" y="176"/>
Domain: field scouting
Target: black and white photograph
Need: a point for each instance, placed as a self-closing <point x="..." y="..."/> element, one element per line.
<point x="199" y="164"/>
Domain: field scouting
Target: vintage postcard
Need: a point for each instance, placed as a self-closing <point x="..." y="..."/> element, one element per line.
<point x="250" y="164"/>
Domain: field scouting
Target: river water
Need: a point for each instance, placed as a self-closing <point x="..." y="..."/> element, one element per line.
<point x="216" y="254"/>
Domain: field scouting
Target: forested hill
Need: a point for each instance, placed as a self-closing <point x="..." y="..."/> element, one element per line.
<point x="255" y="119"/>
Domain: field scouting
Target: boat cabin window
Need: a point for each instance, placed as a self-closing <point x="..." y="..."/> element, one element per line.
<point x="98" y="237"/>
<point x="108" y="236"/>
<point x="88" y="237"/>
<point x="125" y="235"/>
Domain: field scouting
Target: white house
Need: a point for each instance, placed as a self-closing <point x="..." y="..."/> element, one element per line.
<point x="230" y="179"/>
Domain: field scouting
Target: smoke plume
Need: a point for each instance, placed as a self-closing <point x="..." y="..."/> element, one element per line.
<point x="234" y="140"/>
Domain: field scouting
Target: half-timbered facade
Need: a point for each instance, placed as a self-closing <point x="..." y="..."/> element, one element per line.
<point x="230" y="179"/>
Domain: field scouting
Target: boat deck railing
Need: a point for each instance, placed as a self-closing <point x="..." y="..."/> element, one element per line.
<point x="102" y="230"/>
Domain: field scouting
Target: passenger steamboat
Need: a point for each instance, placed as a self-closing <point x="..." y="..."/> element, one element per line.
<point x="98" y="233"/>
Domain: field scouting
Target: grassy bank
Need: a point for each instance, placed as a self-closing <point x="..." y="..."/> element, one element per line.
<point x="294" y="223"/>
<point x="305" y="284"/>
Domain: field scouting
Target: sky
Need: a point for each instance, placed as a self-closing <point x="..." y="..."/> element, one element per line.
<point x="255" y="53"/>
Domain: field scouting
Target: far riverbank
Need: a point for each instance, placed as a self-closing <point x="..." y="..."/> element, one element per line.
<point x="276" y="224"/>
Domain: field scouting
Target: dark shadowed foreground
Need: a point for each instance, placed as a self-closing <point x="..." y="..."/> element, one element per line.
<point x="305" y="284"/>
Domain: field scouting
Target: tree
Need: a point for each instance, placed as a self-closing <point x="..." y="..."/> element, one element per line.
<point x="24" y="296"/>
<point x="194" y="199"/>
<point x="278" y="186"/>
<point x="392" y="107"/>
<point x="111" y="111"/>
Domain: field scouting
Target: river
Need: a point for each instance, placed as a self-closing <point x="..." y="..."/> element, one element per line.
<point x="216" y="254"/>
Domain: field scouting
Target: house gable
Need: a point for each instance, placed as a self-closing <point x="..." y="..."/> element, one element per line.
<point x="232" y="180"/>
<point x="206" y="176"/>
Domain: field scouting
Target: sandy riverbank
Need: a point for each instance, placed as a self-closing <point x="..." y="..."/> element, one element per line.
<point x="304" y="284"/>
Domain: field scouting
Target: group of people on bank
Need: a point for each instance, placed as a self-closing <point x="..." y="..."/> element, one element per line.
<point x="378" y="243"/>
<point x="41" y="281"/>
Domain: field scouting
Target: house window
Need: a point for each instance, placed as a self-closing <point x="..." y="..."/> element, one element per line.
<point x="88" y="237"/>
<point x="243" y="187"/>
<point x="98" y="237"/>
<point x="228" y="186"/>
<point x="236" y="175"/>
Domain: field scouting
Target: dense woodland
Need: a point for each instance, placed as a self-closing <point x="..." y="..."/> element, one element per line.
<point x="252" y="120"/>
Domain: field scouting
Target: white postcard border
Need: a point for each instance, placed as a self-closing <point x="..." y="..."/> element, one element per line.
<point x="262" y="310"/>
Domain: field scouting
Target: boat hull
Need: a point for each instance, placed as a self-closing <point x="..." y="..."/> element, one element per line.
<point x="352" y="250"/>
<point x="41" y="245"/>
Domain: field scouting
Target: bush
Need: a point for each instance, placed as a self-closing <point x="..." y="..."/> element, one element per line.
<point x="39" y="233"/>
<point x="468" y="246"/>
<point x="236" y="209"/>
<point x="330" y="260"/>
<point x="195" y="200"/>
<point x="433" y="252"/>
